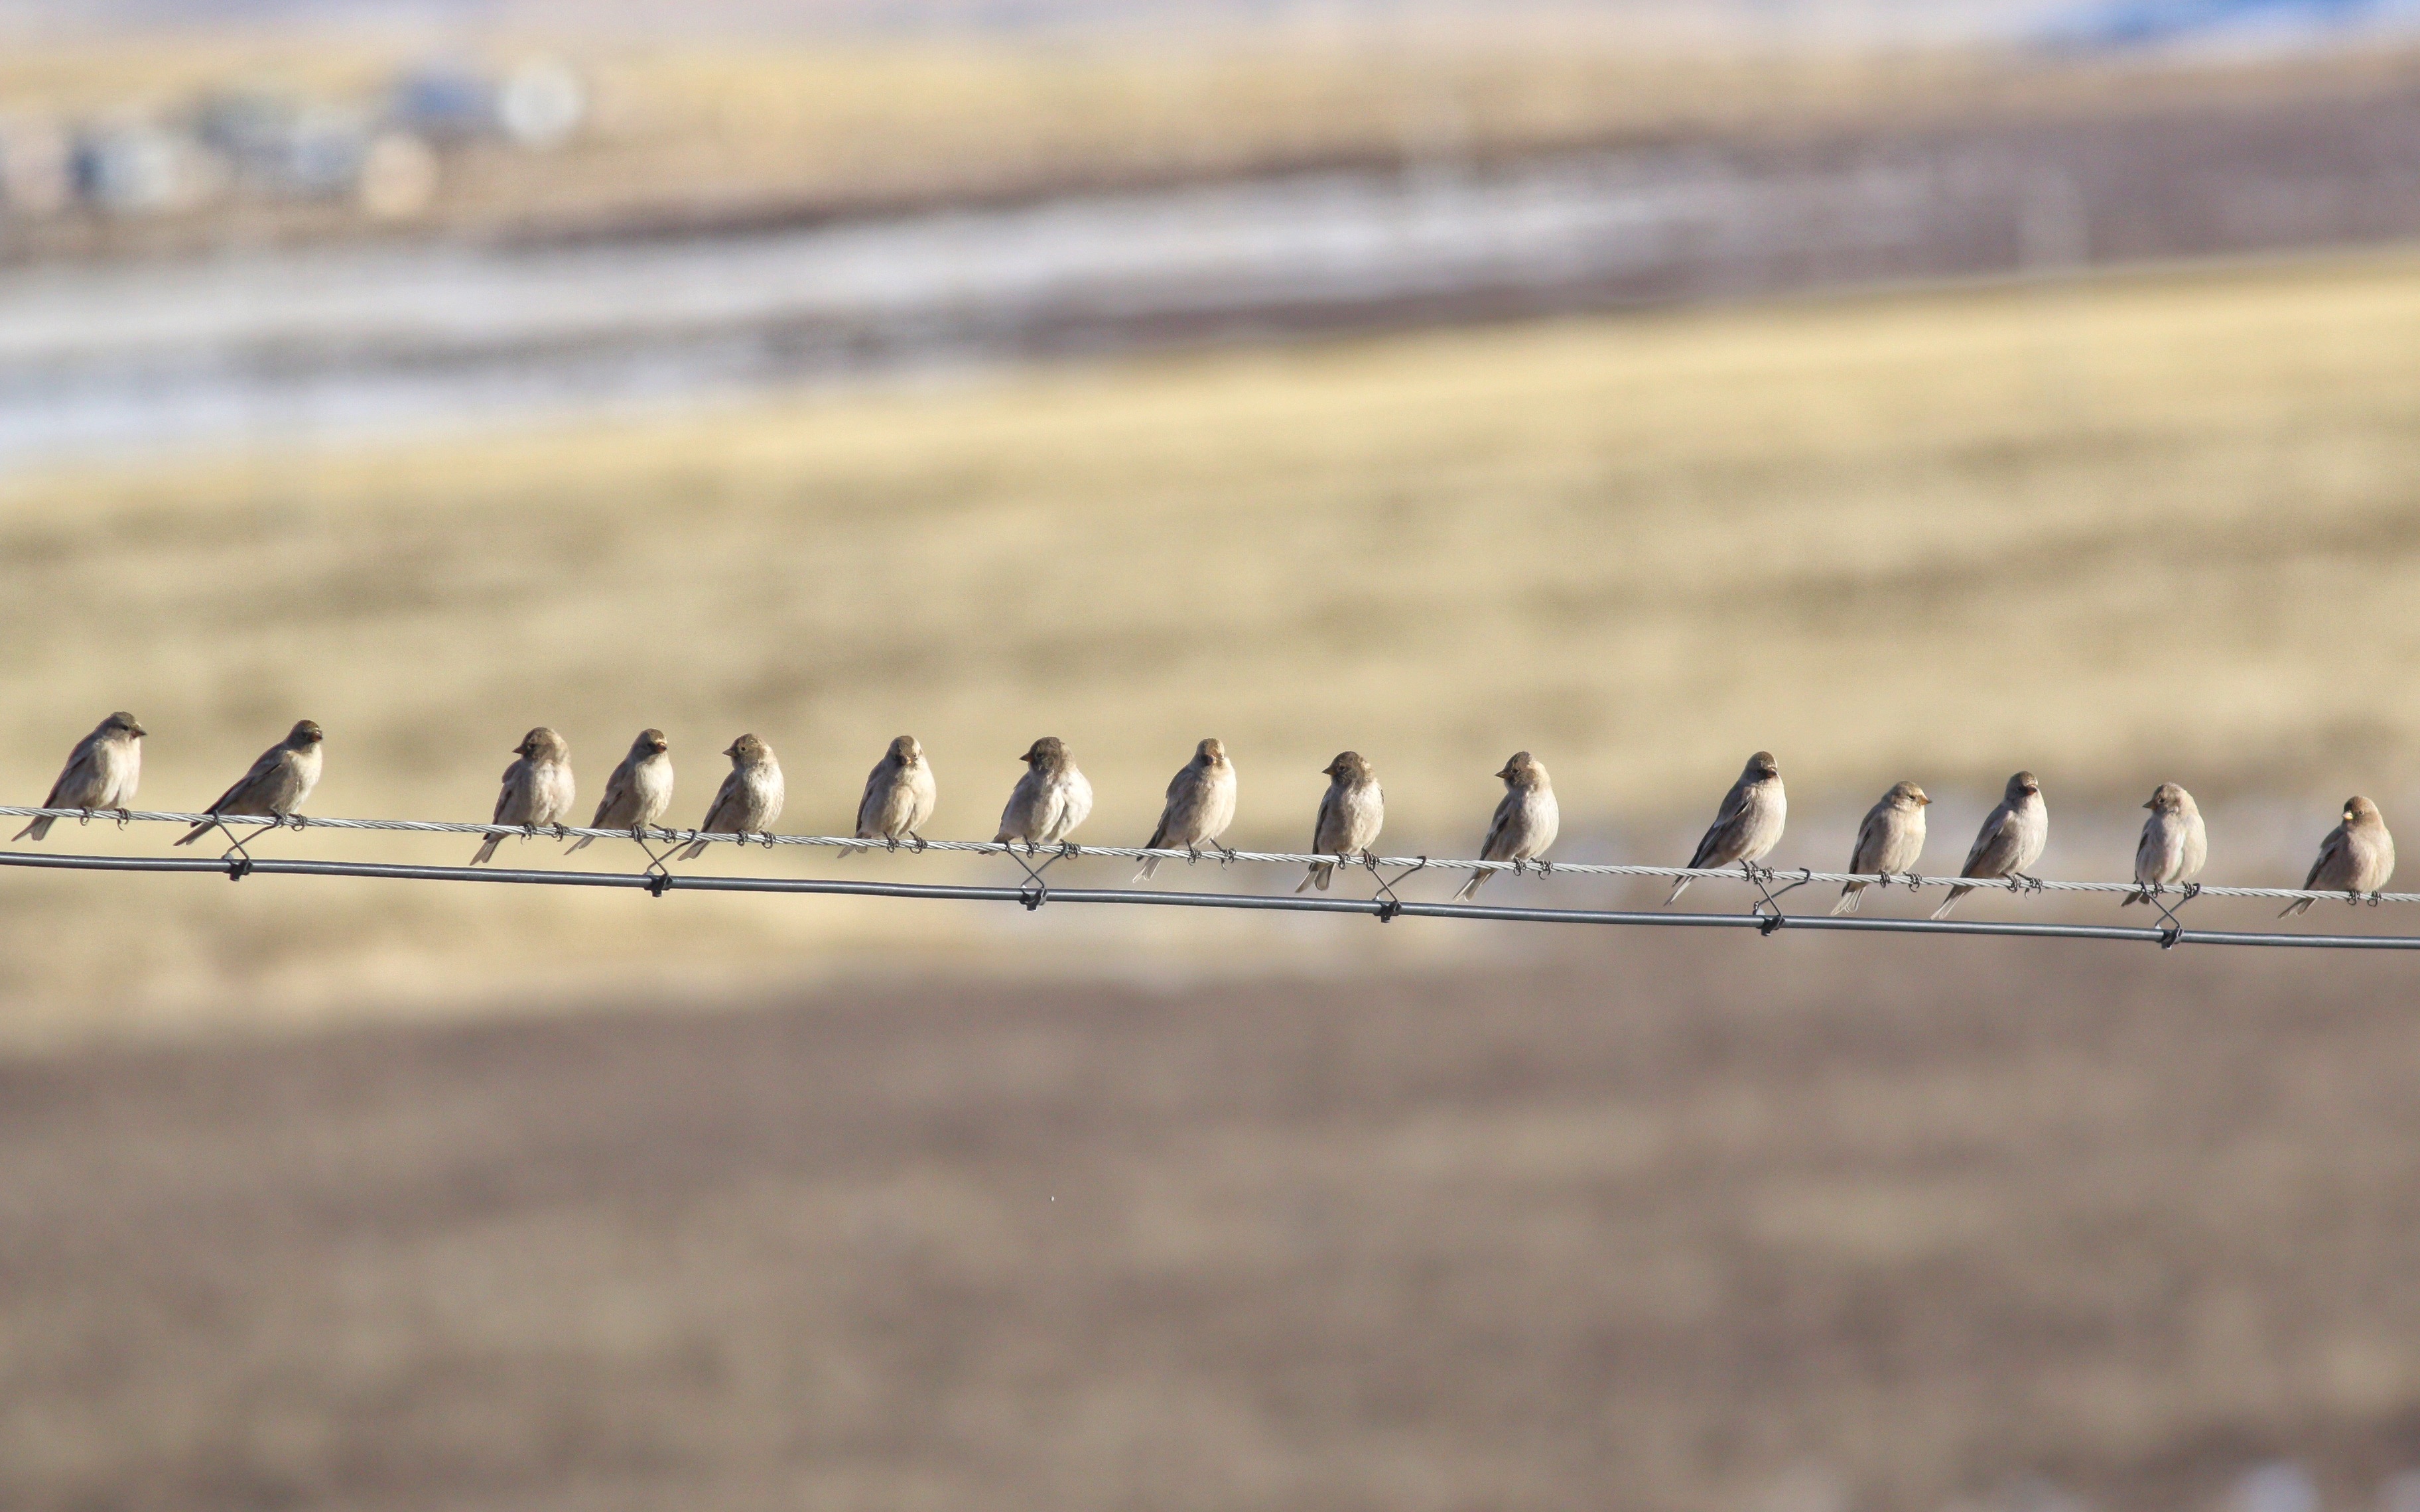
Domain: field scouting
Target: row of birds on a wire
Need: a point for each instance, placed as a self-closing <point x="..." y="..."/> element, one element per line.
<point x="1052" y="797"/>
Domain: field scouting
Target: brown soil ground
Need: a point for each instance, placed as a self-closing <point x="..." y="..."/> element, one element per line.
<point x="1671" y="1223"/>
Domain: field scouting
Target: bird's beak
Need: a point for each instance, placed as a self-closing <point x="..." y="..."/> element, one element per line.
<point x="1923" y="802"/>
<point x="140" y="731"/>
<point x="2150" y="803"/>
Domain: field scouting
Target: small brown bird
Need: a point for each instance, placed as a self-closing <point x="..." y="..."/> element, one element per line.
<point x="2174" y="844"/>
<point x="2011" y="839"/>
<point x="638" y="792"/>
<point x="1351" y="814"/>
<point x="2356" y="859"/>
<point x="1527" y="819"/>
<point x="1200" y="805"/>
<point x="900" y="796"/>
<point x="102" y="772"/>
<point x="1049" y="800"/>
<point x="277" y="785"/>
<point x="749" y="798"/>
<point x="537" y="792"/>
<point x="1888" y="841"/>
<point x="1747" y="826"/>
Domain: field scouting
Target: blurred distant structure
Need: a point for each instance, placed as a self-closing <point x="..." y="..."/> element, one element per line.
<point x="381" y="157"/>
<point x="2139" y="23"/>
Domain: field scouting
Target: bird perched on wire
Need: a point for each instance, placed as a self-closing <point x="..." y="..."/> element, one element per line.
<point x="2011" y="839"/>
<point x="2174" y="844"/>
<point x="1747" y="826"/>
<point x="537" y="792"/>
<point x="277" y="785"/>
<point x="1888" y="841"/>
<point x="638" y="792"/>
<point x="899" y="795"/>
<point x="1526" y="819"/>
<point x="1049" y="800"/>
<point x="1200" y="805"/>
<point x="749" y="798"/>
<point x="2357" y="858"/>
<point x="1351" y="812"/>
<point x="101" y="773"/>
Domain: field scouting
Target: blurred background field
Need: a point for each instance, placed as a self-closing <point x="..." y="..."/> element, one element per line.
<point x="1914" y="392"/>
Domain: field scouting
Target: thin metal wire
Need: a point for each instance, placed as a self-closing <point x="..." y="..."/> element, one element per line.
<point x="1784" y="879"/>
<point x="236" y="867"/>
<point x="1762" y="918"/>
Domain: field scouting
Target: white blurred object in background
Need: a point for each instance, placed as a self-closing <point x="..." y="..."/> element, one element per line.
<point x="541" y="103"/>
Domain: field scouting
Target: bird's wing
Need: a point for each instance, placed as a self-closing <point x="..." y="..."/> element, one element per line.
<point x="617" y="788"/>
<point x="1865" y="858"/>
<point x="1499" y="828"/>
<point x="79" y="770"/>
<point x="2148" y="851"/>
<point x="725" y="809"/>
<point x="1994" y="843"/>
<point x="230" y="801"/>
<point x="1328" y="830"/>
<point x="1715" y="833"/>
<point x="2330" y="849"/>
<point x="516" y="782"/>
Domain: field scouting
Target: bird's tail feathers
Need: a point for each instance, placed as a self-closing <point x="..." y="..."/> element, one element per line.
<point x="1951" y="901"/>
<point x="1149" y="865"/>
<point x="2300" y="905"/>
<point x="197" y="832"/>
<point x="38" y="830"/>
<point x="1678" y="888"/>
<point x="1471" y="890"/>
<point x="2137" y="896"/>
<point x="486" y="849"/>
<point x="580" y="843"/>
<point x="1851" y="894"/>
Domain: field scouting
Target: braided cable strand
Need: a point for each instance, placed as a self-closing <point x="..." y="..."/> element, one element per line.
<point x="1795" y="876"/>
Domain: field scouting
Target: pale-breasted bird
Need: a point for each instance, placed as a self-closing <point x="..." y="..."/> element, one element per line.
<point x="1747" y="826"/>
<point x="102" y="772"/>
<point x="1351" y="812"/>
<point x="2174" y="844"/>
<point x="899" y="795"/>
<point x="1526" y="819"/>
<point x="1049" y="800"/>
<point x="638" y="792"/>
<point x="537" y="790"/>
<point x="2356" y="858"/>
<point x="2011" y="839"/>
<point x="276" y="786"/>
<point x="1200" y="805"/>
<point x="1888" y="841"/>
<point x="749" y="798"/>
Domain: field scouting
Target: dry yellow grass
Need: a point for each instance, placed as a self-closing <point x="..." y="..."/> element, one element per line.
<point x="2141" y="529"/>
